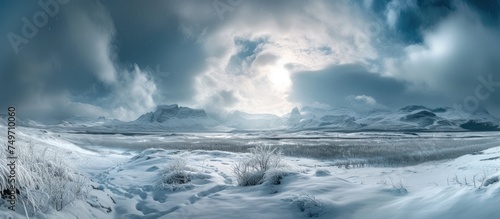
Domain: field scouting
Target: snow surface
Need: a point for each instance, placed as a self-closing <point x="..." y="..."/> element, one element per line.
<point x="125" y="181"/>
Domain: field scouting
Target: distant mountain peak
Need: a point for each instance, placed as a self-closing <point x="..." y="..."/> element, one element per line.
<point x="411" y="108"/>
<point x="295" y="117"/>
<point x="167" y="107"/>
<point x="423" y="118"/>
<point x="167" y="112"/>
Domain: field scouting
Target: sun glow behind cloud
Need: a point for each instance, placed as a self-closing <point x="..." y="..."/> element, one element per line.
<point x="255" y="60"/>
<point x="280" y="78"/>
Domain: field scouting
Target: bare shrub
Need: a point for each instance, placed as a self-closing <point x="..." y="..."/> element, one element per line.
<point x="475" y="181"/>
<point x="175" y="176"/>
<point x="397" y="186"/>
<point x="252" y="171"/>
<point x="246" y="175"/>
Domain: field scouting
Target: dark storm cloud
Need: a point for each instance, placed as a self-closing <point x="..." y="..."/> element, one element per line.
<point x="417" y="16"/>
<point x="68" y="62"/>
<point x="53" y="59"/>
<point x="379" y="7"/>
<point x="414" y="17"/>
<point x="150" y="34"/>
<point x="336" y="84"/>
<point x="87" y="52"/>
<point x="488" y="10"/>
<point x="454" y="53"/>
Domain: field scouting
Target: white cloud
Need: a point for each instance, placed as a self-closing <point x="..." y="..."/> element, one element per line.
<point x="362" y="103"/>
<point x="366" y="99"/>
<point x="133" y="95"/>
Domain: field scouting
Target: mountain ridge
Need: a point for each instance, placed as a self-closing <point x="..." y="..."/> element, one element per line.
<point x="179" y="118"/>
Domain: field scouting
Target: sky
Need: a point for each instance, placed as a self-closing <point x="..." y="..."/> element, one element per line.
<point x="121" y="59"/>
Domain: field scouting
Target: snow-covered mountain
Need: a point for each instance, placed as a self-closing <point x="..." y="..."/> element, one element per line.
<point x="316" y="118"/>
<point x="413" y="117"/>
<point x="295" y="117"/>
<point x="444" y="118"/>
<point x="173" y="117"/>
<point x="170" y="113"/>
<point x="178" y="118"/>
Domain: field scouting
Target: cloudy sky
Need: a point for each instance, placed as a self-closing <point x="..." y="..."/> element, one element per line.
<point x="123" y="58"/>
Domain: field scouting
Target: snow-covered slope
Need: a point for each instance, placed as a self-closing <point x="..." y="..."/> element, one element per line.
<point x="124" y="183"/>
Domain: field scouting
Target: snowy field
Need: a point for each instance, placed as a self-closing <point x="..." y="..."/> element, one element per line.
<point x="321" y="174"/>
